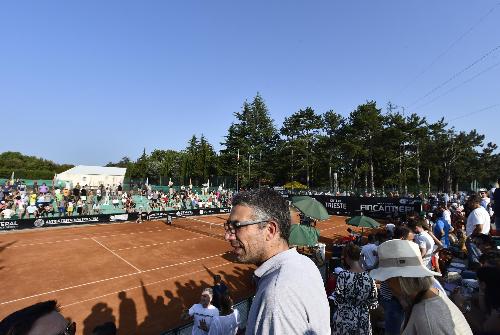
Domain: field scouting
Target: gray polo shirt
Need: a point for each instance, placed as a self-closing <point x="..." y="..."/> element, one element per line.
<point x="290" y="298"/>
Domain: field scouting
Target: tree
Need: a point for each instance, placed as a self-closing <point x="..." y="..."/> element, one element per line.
<point x="300" y="130"/>
<point x="255" y="138"/>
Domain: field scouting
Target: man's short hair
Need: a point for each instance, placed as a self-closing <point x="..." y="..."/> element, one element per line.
<point x="21" y="321"/>
<point x="475" y="199"/>
<point x="267" y="204"/>
<point x="352" y="251"/>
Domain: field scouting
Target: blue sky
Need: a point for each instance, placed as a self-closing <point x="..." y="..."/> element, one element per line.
<point x="87" y="82"/>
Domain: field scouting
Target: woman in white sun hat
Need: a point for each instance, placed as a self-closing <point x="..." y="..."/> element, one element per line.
<point x="429" y="310"/>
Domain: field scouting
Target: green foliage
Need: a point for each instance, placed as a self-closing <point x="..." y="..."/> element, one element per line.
<point x="367" y="150"/>
<point x="28" y="167"/>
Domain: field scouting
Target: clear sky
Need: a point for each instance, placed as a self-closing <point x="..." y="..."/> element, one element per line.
<point x="87" y="82"/>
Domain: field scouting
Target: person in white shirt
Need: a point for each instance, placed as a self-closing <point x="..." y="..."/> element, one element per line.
<point x="478" y="221"/>
<point x="7" y="213"/>
<point x="229" y="319"/>
<point x="424" y="241"/>
<point x="369" y="254"/>
<point x="202" y="313"/>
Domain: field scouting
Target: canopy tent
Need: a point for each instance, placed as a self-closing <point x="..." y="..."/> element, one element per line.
<point x="93" y="176"/>
<point x="294" y="185"/>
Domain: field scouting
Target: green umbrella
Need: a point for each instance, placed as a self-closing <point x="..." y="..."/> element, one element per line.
<point x="310" y="207"/>
<point x="303" y="235"/>
<point x="363" y="222"/>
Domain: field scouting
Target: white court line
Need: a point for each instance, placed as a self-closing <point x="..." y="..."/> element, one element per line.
<point x="160" y="243"/>
<point x="210" y="223"/>
<point x="145" y="285"/>
<point x="114" y="253"/>
<point x="89" y="237"/>
<point x="107" y="279"/>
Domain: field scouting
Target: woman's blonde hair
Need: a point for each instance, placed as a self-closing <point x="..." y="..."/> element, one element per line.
<point x="410" y="285"/>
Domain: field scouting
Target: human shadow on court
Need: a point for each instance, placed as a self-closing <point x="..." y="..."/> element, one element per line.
<point x="3" y="247"/>
<point x="157" y="313"/>
<point x="127" y="317"/>
<point x="99" y="314"/>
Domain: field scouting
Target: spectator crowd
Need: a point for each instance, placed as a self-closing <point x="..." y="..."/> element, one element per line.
<point x="433" y="272"/>
<point x="22" y="202"/>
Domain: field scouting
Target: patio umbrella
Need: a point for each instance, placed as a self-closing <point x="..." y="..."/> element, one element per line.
<point x="310" y="207"/>
<point x="363" y="222"/>
<point x="303" y="235"/>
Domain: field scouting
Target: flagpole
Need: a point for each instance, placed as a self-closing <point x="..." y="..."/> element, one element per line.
<point x="237" y="170"/>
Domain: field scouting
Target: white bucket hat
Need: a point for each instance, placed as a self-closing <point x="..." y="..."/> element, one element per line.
<point x="400" y="258"/>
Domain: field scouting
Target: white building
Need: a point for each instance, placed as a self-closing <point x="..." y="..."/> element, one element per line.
<point x="92" y="176"/>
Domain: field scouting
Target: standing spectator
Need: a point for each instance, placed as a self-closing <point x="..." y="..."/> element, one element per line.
<point x="430" y="311"/>
<point x="76" y="191"/>
<point x="79" y="207"/>
<point x="202" y="313"/>
<point x="496" y="205"/>
<point x="355" y="294"/>
<point x="442" y="228"/>
<point x="424" y="241"/>
<point x="219" y="290"/>
<point x="369" y="254"/>
<point x="83" y="193"/>
<point x="61" y="205"/>
<point x="70" y="208"/>
<point x="43" y="189"/>
<point x="478" y="221"/>
<point x="258" y="229"/>
<point x="228" y="320"/>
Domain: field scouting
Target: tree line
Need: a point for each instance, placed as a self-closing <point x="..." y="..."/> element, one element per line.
<point x="28" y="167"/>
<point x="370" y="149"/>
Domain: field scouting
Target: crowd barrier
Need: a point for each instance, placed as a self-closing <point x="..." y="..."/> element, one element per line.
<point x="40" y="222"/>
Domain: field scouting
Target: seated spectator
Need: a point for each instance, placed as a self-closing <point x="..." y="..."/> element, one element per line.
<point x="7" y="212"/>
<point x="31" y="210"/>
<point x="430" y="311"/>
<point x="40" y="318"/>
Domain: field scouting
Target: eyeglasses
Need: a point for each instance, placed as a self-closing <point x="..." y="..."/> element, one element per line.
<point x="69" y="330"/>
<point x="231" y="226"/>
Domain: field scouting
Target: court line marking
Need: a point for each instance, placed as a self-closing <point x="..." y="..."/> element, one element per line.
<point x="108" y="279"/>
<point x="145" y="285"/>
<point x="160" y="243"/>
<point x="114" y="253"/>
<point x="89" y="237"/>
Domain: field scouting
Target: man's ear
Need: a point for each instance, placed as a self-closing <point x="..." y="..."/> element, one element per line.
<point x="272" y="230"/>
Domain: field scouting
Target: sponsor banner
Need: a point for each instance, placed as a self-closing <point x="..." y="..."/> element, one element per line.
<point x="158" y="215"/>
<point x="102" y="218"/>
<point x="119" y="217"/>
<point x="374" y="207"/>
<point x="8" y="225"/>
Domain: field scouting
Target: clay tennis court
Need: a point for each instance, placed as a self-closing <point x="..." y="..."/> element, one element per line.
<point x="140" y="276"/>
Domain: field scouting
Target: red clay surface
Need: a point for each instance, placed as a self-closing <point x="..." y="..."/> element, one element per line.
<point x="160" y="269"/>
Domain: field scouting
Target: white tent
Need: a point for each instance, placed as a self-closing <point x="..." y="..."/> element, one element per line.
<point x="92" y="176"/>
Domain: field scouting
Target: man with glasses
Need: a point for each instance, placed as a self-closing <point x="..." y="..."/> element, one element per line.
<point x="42" y="318"/>
<point x="290" y="297"/>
